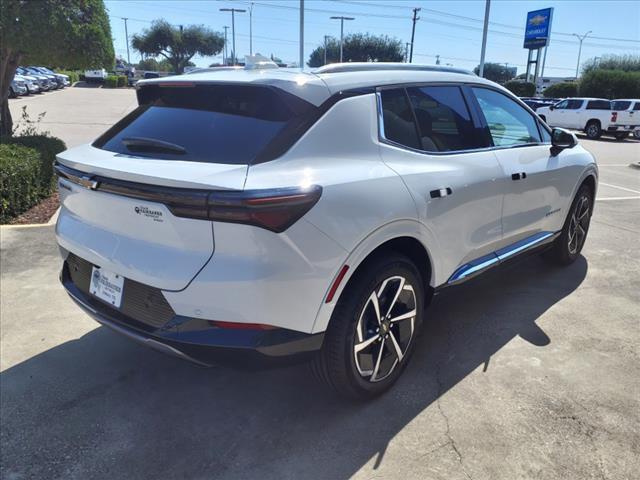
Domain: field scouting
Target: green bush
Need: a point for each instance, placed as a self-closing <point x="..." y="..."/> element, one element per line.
<point x="48" y="147"/>
<point x="73" y="75"/>
<point x="610" y="84"/>
<point x="521" y="89"/>
<point x="562" y="90"/>
<point x="122" y="80"/>
<point x="19" y="180"/>
<point x="111" y="81"/>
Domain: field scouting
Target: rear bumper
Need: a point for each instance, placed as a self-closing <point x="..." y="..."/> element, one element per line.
<point x="199" y="341"/>
<point x="622" y="128"/>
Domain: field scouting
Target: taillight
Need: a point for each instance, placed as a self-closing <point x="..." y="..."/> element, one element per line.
<point x="273" y="209"/>
<point x="614" y="116"/>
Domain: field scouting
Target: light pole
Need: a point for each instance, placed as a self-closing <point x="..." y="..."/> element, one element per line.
<point x="485" y="30"/>
<point x="301" y="59"/>
<point x="342" y="19"/>
<point x="251" y="29"/>
<point x="224" y="60"/>
<point x="126" y="36"/>
<point x="581" y="38"/>
<point x="233" y="28"/>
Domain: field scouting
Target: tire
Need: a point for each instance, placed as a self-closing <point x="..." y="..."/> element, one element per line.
<point x="567" y="247"/>
<point x="366" y="371"/>
<point x="621" y="136"/>
<point x="593" y="130"/>
<point x="636" y="134"/>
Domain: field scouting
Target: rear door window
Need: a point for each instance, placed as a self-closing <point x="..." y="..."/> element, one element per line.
<point x="599" y="105"/>
<point x="398" y="121"/>
<point x="204" y="123"/>
<point x="509" y="123"/>
<point x="444" y="121"/>
<point x="620" y="105"/>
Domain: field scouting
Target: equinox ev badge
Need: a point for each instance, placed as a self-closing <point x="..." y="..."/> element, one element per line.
<point x="155" y="215"/>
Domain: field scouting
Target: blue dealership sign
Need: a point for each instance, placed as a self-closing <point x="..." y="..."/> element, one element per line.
<point x="538" y="28"/>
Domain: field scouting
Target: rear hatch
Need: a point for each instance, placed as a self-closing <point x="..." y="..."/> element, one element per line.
<point x="135" y="202"/>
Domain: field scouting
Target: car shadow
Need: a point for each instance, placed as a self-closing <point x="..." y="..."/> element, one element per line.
<point x="629" y="139"/>
<point x="102" y="406"/>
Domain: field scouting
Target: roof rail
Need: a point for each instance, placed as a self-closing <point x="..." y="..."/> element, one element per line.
<point x="381" y="66"/>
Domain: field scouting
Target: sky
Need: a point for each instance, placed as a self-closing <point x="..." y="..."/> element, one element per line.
<point x="449" y="29"/>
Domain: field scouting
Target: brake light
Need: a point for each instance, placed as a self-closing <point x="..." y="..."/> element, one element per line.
<point x="273" y="209"/>
<point x="614" y="116"/>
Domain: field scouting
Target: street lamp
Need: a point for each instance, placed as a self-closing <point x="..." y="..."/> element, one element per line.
<point x="342" y="19"/>
<point x="581" y="38"/>
<point x="233" y="27"/>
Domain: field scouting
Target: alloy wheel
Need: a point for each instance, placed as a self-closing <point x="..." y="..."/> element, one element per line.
<point x="385" y="329"/>
<point x="578" y="225"/>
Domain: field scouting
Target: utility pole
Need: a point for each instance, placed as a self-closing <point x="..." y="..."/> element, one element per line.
<point x="251" y="29"/>
<point x="233" y="28"/>
<point x="126" y="36"/>
<point x="406" y="52"/>
<point x="224" y="59"/>
<point x="301" y="34"/>
<point x="581" y="38"/>
<point x="544" y="61"/>
<point x="342" y="19"/>
<point x="437" y="59"/>
<point x="413" y="31"/>
<point x="485" y="31"/>
<point x="325" y="49"/>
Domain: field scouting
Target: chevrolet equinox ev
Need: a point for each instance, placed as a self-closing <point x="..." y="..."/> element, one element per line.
<point x="251" y="214"/>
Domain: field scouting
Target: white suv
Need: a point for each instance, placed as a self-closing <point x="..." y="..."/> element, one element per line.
<point x="272" y="214"/>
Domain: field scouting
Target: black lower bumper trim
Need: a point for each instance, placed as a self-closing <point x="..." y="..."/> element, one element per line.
<point x="201" y="342"/>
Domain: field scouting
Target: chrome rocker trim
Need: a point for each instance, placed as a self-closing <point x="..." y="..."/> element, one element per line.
<point x="482" y="264"/>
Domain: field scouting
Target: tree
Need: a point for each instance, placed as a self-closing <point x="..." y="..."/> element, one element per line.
<point x="496" y="72"/>
<point x="626" y="63"/>
<point x="73" y="34"/>
<point x="561" y="90"/>
<point x="521" y="89"/>
<point x="359" y="47"/>
<point x="177" y="45"/>
<point x="610" y="84"/>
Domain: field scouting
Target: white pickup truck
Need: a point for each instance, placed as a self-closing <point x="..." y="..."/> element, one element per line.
<point x="626" y="116"/>
<point x="593" y="116"/>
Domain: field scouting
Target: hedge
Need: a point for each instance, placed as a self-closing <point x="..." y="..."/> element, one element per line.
<point x="111" y="81"/>
<point x="122" y="80"/>
<point x="562" y="90"/>
<point x="610" y="84"/>
<point x="48" y="147"/>
<point x="19" y="180"/>
<point x="521" y="89"/>
<point x="73" y="76"/>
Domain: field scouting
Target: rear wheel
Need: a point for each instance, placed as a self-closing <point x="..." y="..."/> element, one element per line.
<point x="372" y="331"/>
<point x="593" y="130"/>
<point x="621" y="136"/>
<point x="568" y="245"/>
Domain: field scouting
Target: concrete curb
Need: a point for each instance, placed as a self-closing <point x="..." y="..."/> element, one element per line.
<point x="52" y="221"/>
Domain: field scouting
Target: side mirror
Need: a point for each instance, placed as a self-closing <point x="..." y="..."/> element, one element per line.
<point x="551" y="107"/>
<point x="561" y="139"/>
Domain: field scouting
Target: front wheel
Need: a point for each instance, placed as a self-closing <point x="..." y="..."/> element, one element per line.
<point x="372" y="331"/>
<point x="568" y="245"/>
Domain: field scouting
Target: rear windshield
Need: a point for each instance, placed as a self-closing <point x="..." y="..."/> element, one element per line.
<point x="204" y="123"/>
<point x="620" y="105"/>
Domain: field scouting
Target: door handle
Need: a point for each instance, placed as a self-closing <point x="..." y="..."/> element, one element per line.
<point x="518" y="176"/>
<point x="441" y="192"/>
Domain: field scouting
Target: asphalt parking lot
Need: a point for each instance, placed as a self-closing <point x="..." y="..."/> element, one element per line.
<point x="531" y="372"/>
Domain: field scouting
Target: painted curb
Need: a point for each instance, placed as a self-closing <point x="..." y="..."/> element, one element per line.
<point x="51" y="221"/>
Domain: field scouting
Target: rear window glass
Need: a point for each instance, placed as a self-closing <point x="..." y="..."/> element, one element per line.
<point x="204" y="123"/>
<point x="620" y="105"/>
<point x="599" y="105"/>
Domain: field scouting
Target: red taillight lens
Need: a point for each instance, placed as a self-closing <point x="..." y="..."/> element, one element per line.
<point x="614" y="116"/>
<point x="273" y="209"/>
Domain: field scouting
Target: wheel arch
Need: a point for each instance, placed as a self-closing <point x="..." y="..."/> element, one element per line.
<point x="593" y="120"/>
<point x="409" y="237"/>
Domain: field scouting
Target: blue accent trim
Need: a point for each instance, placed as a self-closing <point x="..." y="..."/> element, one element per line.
<point x="481" y="264"/>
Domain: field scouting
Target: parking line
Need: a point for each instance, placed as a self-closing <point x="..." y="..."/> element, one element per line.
<point x="604" y="199"/>
<point x="619" y="188"/>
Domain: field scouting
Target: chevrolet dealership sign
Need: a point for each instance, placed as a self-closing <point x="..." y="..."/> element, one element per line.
<point x="538" y="28"/>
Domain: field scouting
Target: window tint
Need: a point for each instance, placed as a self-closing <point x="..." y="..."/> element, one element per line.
<point x="620" y="105"/>
<point x="574" y="104"/>
<point x="203" y="123"/>
<point x="561" y="105"/>
<point x="444" y="122"/>
<point x="636" y="106"/>
<point x="398" y="122"/>
<point x="508" y="122"/>
<point x="599" y="105"/>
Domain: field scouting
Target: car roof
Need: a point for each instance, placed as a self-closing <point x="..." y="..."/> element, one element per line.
<point x="318" y="85"/>
<point x="626" y="100"/>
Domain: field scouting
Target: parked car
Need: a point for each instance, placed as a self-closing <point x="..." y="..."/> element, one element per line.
<point x="61" y="79"/>
<point x="625" y="118"/>
<point x="44" y="84"/>
<point x="17" y="87"/>
<point x="339" y="201"/>
<point x="95" y="76"/>
<point x="535" y="103"/>
<point x="593" y="116"/>
<point x="31" y="83"/>
<point x="53" y="81"/>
